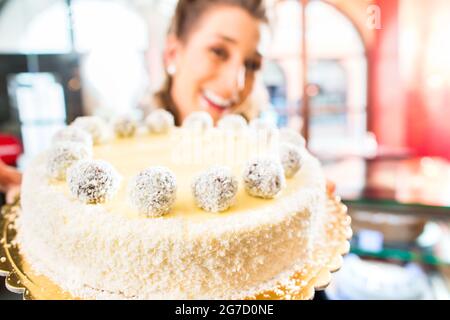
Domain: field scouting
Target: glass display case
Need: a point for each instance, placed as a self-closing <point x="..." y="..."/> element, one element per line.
<point x="400" y="209"/>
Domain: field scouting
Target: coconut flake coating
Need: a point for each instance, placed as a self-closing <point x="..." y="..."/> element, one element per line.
<point x="62" y="155"/>
<point x="73" y="134"/>
<point x="215" y="189"/>
<point x="160" y="121"/>
<point x="263" y="177"/>
<point x="153" y="191"/>
<point x="200" y="120"/>
<point x="95" y="126"/>
<point x="93" y="181"/>
<point x="291" y="159"/>
<point x="291" y="136"/>
<point x="124" y="127"/>
<point x="184" y="255"/>
<point x="233" y="122"/>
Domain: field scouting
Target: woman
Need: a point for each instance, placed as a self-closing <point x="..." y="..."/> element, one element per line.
<point x="212" y="57"/>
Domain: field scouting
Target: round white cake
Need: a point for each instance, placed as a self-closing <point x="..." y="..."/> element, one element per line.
<point x="111" y="249"/>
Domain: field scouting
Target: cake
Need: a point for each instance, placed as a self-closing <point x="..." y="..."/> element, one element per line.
<point x="194" y="212"/>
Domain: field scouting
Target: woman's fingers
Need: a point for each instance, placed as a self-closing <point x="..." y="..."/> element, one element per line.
<point x="9" y="176"/>
<point x="14" y="176"/>
<point x="12" y="194"/>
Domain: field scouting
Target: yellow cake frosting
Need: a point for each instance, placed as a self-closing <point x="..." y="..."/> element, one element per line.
<point x="110" y="250"/>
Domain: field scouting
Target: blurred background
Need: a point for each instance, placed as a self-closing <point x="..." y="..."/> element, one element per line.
<point x="366" y="81"/>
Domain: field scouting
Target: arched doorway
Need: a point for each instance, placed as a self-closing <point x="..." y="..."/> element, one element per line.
<point x="337" y="77"/>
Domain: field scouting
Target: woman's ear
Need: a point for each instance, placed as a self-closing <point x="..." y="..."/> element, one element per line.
<point x="171" y="53"/>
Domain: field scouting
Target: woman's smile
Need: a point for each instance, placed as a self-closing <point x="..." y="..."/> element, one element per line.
<point x="210" y="99"/>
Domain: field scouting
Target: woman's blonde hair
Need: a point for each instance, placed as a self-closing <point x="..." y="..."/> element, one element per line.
<point x="187" y="14"/>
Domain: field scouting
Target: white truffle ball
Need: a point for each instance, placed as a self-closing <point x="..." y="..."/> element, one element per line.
<point x="291" y="136"/>
<point x="261" y="124"/>
<point x="153" y="191"/>
<point x="234" y="122"/>
<point x="263" y="177"/>
<point x="124" y="127"/>
<point x="62" y="155"/>
<point x="73" y="134"/>
<point x="160" y="121"/>
<point x="291" y="159"/>
<point x="215" y="189"/>
<point x="93" y="181"/>
<point x="95" y="126"/>
<point x="200" y="120"/>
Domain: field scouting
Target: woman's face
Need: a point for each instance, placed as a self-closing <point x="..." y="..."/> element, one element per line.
<point x="216" y="63"/>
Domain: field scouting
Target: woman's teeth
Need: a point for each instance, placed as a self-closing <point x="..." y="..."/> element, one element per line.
<point x="217" y="100"/>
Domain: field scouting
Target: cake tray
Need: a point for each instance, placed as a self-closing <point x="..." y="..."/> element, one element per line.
<point x="327" y="258"/>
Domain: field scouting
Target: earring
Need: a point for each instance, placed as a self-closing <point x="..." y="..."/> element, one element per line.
<point x="171" y="69"/>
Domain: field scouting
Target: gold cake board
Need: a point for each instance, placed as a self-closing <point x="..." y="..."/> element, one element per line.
<point x="327" y="258"/>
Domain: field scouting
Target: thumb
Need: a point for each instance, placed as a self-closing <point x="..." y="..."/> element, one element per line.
<point x="12" y="194"/>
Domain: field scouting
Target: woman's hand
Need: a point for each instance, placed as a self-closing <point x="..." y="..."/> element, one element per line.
<point x="12" y="194"/>
<point x="10" y="181"/>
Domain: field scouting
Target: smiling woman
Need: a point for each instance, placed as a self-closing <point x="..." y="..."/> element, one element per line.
<point x="211" y="57"/>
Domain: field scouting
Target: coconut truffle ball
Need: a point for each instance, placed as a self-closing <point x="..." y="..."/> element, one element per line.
<point x="124" y="127"/>
<point x="263" y="177"/>
<point x="95" y="126"/>
<point x="201" y="120"/>
<point x="160" y="121"/>
<point x="291" y="159"/>
<point x="73" y="134"/>
<point x="62" y="155"/>
<point x="261" y="124"/>
<point x="233" y="122"/>
<point x="291" y="136"/>
<point x="93" y="181"/>
<point x="215" y="189"/>
<point x="153" y="191"/>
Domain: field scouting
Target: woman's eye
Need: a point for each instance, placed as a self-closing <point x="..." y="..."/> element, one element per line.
<point x="219" y="52"/>
<point x="253" y="65"/>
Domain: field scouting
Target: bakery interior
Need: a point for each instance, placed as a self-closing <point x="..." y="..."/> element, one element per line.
<point x="367" y="82"/>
